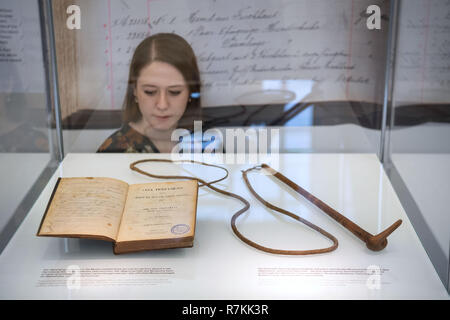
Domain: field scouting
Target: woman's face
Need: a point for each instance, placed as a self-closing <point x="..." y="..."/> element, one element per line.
<point x="162" y="95"/>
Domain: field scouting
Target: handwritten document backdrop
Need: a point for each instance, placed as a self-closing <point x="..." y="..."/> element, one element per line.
<point x="422" y="69"/>
<point x="262" y="51"/>
<point x="316" y="50"/>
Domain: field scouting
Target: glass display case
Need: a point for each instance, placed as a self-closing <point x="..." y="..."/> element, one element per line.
<point x="417" y="145"/>
<point x="28" y="141"/>
<point x="349" y="99"/>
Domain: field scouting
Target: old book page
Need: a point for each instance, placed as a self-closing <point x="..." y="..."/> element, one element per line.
<point x="86" y="207"/>
<point x="163" y="210"/>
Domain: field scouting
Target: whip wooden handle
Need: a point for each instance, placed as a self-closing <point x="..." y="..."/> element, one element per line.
<point x="373" y="242"/>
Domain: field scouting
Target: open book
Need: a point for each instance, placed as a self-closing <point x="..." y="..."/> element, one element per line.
<point x="135" y="217"/>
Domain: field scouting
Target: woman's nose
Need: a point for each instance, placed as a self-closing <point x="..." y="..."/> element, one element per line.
<point x="162" y="102"/>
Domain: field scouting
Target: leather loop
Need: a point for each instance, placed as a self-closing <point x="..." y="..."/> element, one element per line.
<point x="294" y="216"/>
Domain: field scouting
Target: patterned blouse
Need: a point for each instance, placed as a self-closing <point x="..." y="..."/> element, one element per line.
<point x="126" y="139"/>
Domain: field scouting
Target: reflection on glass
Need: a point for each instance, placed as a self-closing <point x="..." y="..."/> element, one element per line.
<point x="420" y="127"/>
<point x="24" y="132"/>
<point x="22" y="128"/>
<point x="314" y="66"/>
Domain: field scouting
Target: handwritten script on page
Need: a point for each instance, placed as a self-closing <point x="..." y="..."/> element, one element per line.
<point x="85" y="206"/>
<point x="301" y="50"/>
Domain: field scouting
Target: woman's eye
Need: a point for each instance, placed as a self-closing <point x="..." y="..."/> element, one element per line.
<point x="174" y="93"/>
<point x="150" y="93"/>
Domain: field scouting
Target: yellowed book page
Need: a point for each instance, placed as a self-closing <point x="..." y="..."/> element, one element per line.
<point x="159" y="211"/>
<point x="86" y="206"/>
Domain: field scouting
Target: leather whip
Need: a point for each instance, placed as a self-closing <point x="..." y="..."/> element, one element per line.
<point x="133" y="166"/>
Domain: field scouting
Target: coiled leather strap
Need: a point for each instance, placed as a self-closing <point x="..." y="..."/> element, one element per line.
<point x="134" y="167"/>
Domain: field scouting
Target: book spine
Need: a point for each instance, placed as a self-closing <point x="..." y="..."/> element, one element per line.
<point x="48" y="204"/>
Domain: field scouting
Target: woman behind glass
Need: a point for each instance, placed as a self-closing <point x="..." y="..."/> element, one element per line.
<point x="163" y="94"/>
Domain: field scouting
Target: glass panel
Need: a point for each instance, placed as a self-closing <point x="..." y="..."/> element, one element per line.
<point x="419" y="137"/>
<point x="282" y="77"/>
<point x="313" y="70"/>
<point x="25" y="147"/>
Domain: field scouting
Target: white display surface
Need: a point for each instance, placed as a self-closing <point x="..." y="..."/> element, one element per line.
<point x="220" y="266"/>
<point x="429" y="188"/>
